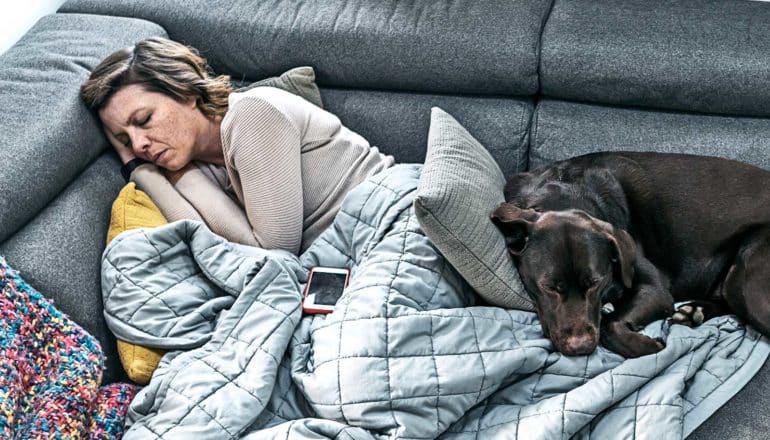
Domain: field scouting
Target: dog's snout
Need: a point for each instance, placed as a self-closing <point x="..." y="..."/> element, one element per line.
<point x="580" y="342"/>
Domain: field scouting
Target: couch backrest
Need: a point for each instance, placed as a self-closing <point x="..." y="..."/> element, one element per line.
<point x="381" y="64"/>
<point x="463" y="46"/>
<point x="707" y="56"/>
<point x="686" y="76"/>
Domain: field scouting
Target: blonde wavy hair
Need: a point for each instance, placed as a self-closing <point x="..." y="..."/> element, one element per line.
<point x="159" y="65"/>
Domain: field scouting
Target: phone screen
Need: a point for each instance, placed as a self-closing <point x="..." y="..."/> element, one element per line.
<point x="327" y="287"/>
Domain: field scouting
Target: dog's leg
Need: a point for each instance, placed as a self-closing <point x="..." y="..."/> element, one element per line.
<point x="649" y="300"/>
<point x="746" y="288"/>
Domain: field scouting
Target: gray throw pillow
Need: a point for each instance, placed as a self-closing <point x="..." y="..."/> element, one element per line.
<point x="460" y="185"/>
<point x="299" y="81"/>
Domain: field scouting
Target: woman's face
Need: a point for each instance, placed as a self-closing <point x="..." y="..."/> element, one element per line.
<point x="156" y="127"/>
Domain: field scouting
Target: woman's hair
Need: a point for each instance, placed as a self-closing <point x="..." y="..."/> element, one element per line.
<point x="159" y="65"/>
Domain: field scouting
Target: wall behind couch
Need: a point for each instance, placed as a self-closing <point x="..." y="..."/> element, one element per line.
<point x="16" y="18"/>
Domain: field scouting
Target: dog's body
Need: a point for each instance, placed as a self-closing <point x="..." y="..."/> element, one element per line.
<point x="699" y="229"/>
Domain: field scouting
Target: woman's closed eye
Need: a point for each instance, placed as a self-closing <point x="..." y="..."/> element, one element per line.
<point x="145" y="121"/>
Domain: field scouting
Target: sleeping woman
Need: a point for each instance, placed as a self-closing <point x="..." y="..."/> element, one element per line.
<point x="262" y="167"/>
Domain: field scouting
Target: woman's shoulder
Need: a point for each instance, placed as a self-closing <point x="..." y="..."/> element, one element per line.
<point x="265" y="101"/>
<point x="262" y="96"/>
<point x="258" y="106"/>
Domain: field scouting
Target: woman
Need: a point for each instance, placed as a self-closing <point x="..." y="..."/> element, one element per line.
<point x="287" y="163"/>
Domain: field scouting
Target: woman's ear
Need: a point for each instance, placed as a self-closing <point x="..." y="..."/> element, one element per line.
<point x="515" y="224"/>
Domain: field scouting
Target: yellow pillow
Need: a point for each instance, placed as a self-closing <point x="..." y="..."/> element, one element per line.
<point x="134" y="209"/>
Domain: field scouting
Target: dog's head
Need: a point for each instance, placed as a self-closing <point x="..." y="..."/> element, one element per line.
<point x="570" y="264"/>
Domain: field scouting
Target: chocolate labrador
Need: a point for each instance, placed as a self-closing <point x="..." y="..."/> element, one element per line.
<point x="639" y="231"/>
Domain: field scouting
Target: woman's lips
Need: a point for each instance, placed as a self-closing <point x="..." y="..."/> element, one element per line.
<point x="159" y="156"/>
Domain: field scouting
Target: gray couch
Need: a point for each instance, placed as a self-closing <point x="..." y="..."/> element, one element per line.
<point x="533" y="80"/>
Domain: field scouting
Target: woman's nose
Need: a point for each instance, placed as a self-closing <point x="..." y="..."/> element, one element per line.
<point x="140" y="143"/>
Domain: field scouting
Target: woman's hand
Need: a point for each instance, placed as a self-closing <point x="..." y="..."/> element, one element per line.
<point x="125" y="153"/>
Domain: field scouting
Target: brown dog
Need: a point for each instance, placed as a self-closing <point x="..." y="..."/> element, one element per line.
<point x="639" y="230"/>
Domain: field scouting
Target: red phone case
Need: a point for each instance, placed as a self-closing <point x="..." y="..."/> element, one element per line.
<point x="307" y="285"/>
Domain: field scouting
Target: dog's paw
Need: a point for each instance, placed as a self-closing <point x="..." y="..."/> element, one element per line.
<point x="689" y="314"/>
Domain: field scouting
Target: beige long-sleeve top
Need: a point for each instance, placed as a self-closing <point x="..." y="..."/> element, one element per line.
<point x="288" y="166"/>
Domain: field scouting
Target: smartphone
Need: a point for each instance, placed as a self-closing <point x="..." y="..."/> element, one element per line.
<point x="324" y="287"/>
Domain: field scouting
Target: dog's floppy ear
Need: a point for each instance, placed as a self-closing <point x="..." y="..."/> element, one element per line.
<point x="625" y="253"/>
<point x="515" y="223"/>
<point x="623" y="250"/>
<point x="517" y="184"/>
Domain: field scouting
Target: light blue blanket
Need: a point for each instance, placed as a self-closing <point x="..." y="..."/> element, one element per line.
<point x="405" y="354"/>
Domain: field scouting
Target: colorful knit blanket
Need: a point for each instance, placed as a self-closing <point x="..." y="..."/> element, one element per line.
<point x="50" y="371"/>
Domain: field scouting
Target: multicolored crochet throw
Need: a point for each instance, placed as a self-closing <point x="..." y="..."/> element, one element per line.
<point x="50" y="371"/>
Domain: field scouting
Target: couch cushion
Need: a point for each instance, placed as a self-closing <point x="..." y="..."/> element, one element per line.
<point x="134" y="209"/>
<point x="59" y="251"/>
<point x="398" y="123"/>
<point x="299" y="81"/>
<point x="460" y="185"/>
<point x="698" y="55"/>
<point x="564" y="129"/>
<point x="49" y="136"/>
<point x="390" y="44"/>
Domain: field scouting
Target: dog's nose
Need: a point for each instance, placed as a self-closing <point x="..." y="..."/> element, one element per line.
<point x="577" y="345"/>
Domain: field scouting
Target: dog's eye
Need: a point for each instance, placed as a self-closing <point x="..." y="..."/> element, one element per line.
<point x="553" y="286"/>
<point x="589" y="282"/>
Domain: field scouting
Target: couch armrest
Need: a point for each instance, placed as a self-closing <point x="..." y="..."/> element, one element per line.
<point x="48" y="135"/>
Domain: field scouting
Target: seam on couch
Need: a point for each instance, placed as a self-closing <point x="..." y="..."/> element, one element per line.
<point x="532" y="134"/>
<point x="539" y="49"/>
<point x="532" y="126"/>
<point x="526" y="144"/>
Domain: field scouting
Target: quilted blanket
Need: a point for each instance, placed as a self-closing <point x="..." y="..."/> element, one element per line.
<point x="50" y="371"/>
<point x="405" y="354"/>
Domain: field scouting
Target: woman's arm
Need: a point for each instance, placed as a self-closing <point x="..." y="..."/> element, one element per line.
<point x="150" y="179"/>
<point x="263" y="146"/>
<point x="222" y="214"/>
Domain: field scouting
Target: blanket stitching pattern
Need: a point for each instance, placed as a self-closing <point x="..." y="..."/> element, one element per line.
<point x="151" y="296"/>
<point x="229" y="379"/>
<point x="387" y="328"/>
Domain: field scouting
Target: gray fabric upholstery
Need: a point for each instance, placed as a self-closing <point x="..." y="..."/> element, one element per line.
<point x="398" y="123"/>
<point x="460" y="185"/>
<point x="564" y="129"/>
<point x="698" y="55"/>
<point x="59" y="251"/>
<point x="387" y="44"/>
<point x="744" y="416"/>
<point x="50" y="137"/>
